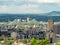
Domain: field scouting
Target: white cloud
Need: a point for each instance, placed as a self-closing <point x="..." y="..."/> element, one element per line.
<point x="40" y="1"/>
<point x="3" y="9"/>
<point x="24" y="6"/>
<point x="45" y="1"/>
<point x="19" y="9"/>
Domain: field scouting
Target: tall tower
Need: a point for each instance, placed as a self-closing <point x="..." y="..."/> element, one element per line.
<point x="50" y="30"/>
<point x="50" y="24"/>
<point x="28" y="19"/>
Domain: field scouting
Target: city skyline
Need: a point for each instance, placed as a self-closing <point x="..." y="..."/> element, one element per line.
<point x="29" y="6"/>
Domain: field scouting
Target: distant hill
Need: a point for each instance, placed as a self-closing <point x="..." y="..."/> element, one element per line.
<point x="53" y="13"/>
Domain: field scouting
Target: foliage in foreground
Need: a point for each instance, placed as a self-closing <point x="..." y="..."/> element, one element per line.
<point x="40" y="42"/>
<point x="58" y="43"/>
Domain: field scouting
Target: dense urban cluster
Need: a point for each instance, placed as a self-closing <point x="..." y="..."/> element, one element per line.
<point x="28" y="29"/>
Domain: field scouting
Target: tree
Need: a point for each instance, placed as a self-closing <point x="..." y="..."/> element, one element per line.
<point x="44" y="42"/>
<point x="35" y="42"/>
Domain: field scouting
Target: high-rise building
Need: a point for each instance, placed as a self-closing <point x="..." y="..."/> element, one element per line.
<point x="57" y="31"/>
<point x="57" y="28"/>
<point x="28" y="19"/>
<point x="14" y="34"/>
<point x="50" y="31"/>
<point x="50" y="24"/>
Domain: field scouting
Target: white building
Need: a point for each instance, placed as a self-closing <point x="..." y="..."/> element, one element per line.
<point x="14" y="34"/>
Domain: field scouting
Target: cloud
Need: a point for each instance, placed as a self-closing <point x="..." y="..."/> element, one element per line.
<point x="46" y="1"/>
<point x="21" y="2"/>
<point x="36" y="1"/>
<point x="28" y="6"/>
<point x="3" y="9"/>
<point x="19" y="9"/>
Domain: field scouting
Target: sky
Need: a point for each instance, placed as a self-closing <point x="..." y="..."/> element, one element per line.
<point x="29" y="6"/>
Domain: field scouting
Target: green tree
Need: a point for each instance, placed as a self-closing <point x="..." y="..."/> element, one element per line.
<point x="33" y="41"/>
<point x="44" y="42"/>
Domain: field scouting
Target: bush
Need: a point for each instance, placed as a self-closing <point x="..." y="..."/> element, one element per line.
<point x="35" y="42"/>
<point x="58" y="43"/>
<point x="44" y="42"/>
